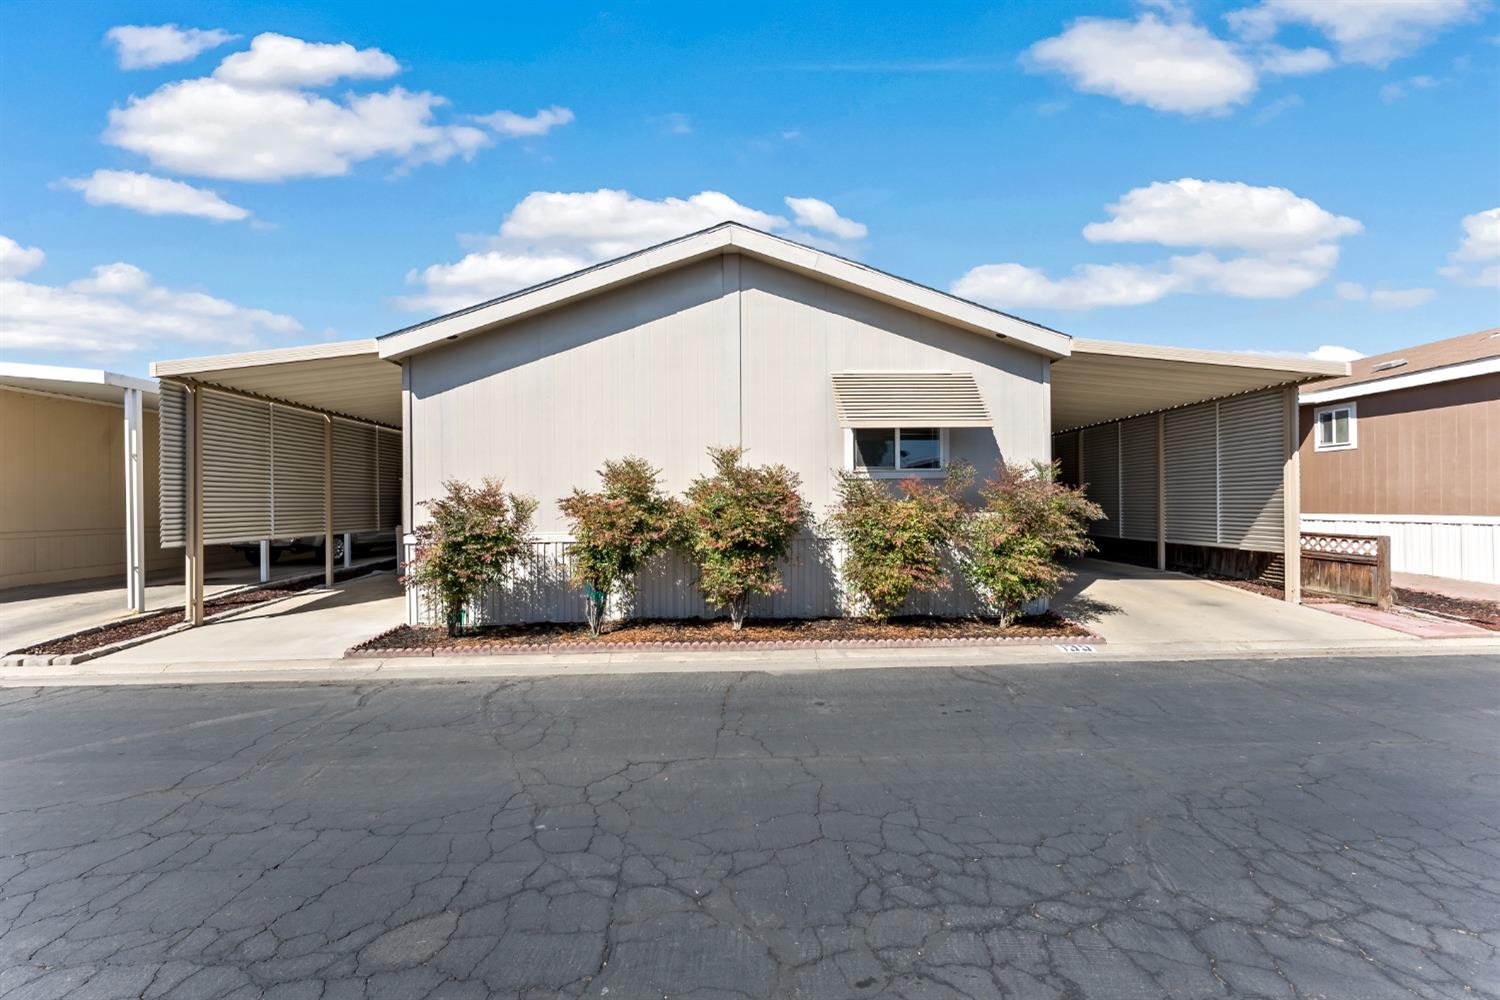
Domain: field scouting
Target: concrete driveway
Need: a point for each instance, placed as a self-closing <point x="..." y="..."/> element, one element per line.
<point x="1130" y="604"/>
<point x="319" y="624"/>
<point x="1288" y="828"/>
<point x="32" y="614"/>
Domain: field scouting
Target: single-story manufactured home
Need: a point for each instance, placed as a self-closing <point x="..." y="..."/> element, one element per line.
<point x="1408" y="446"/>
<point x="728" y="336"/>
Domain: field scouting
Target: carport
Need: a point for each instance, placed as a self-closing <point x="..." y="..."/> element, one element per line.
<point x="273" y="444"/>
<point x="1191" y="453"/>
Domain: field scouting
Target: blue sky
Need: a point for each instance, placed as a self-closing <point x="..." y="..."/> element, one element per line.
<point x="1269" y="175"/>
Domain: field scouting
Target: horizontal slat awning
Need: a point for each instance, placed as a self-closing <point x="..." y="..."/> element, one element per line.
<point x="908" y="399"/>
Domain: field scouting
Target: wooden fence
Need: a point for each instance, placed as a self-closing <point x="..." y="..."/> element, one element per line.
<point x="1347" y="567"/>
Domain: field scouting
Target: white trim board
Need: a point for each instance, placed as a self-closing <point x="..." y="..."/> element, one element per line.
<point x="1431" y="376"/>
<point x="1405" y="518"/>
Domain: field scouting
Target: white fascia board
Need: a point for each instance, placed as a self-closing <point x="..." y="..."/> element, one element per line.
<point x="727" y="239"/>
<point x="1430" y="376"/>
<point x="1305" y="367"/>
<point x="254" y="359"/>
<point x="82" y="376"/>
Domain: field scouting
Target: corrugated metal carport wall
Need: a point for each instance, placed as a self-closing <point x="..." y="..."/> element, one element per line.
<point x="264" y="468"/>
<point x="1223" y="476"/>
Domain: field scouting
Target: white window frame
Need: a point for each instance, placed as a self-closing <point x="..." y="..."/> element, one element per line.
<point x="850" y="466"/>
<point x="1319" y="444"/>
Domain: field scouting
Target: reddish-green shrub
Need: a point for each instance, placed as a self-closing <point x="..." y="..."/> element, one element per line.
<point x="617" y="530"/>
<point x="738" y="525"/>
<point x="472" y="541"/>
<point x="1010" y="547"/>
<point x="897" y="542"/>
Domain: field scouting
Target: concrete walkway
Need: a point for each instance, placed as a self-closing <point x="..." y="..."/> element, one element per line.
<point x="1131" y="604"/>
<point x="1468" y="590"/>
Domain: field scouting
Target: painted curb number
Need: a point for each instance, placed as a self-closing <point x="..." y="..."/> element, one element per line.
<point x="1075" y="647"/>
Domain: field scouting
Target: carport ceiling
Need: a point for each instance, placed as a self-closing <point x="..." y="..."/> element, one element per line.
<point x="346" y="377"/>
<point x="1102" y="380"/>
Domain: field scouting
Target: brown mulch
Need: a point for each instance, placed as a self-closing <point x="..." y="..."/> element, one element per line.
<point x="1254" y="586"/>
<point x="160" y="621"/>
<point x="719" y="630"/>
<point x="1485" y="614"/>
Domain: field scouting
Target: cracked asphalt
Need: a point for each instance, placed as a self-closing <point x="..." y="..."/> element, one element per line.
<point x="1295" y="828"/>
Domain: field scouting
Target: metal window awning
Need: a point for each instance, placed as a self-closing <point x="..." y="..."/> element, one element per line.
<point x="908" y="399"/>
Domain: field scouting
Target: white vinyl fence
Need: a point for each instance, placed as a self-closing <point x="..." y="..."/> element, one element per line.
<point x="1459" y="548"/>
<point x="543" y="592"/>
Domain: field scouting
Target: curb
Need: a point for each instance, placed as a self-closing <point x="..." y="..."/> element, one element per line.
<point x="546" y="648"/>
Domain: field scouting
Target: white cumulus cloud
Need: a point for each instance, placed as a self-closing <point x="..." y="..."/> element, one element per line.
<point x="117" y="310"/>
<point x="1480" y="244"/>
<point x="1384" y="298"/>
<point x="1373" y="32"/>
<point x="16" y="260"/>
<point x="1334" y="352"/>
<point x="550" y="233"/>
<point x="1089" y="286"/>
<point x="153" y="195"/>
<point x="512" y="125"/>
<point x="1169" y="65"/>
<point x="257" y="118"/>
<point x="282" y="61"/>
<point x="817" y="214"/>
<point x="1192" y="212"/>
<point x="1283" y="245"/>
<point x="145" y="46"/>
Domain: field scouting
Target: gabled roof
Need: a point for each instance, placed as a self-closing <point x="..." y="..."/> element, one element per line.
<point x="727" y="237"/>
<point x="1423" y="357"/>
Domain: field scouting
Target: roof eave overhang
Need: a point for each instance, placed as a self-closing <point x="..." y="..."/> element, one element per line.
<point x="713" y="242"/>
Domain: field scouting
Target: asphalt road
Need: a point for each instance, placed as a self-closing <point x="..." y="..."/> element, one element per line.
<point x="1284" y="829"/>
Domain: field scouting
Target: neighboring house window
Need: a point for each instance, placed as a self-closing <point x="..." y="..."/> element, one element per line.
<point x="1334" y="427"/>
<point x="897" y="451"/>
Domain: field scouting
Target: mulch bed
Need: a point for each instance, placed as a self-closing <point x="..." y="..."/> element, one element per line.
<point x="1254" y="586"/>
<point x="700" y="633"/>
<point x="1485" y="614"/>
<point x="160" y="621"/>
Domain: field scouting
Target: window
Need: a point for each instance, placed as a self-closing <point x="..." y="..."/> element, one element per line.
<point x="898" y="451"/>
<point x="1334" y="428"/>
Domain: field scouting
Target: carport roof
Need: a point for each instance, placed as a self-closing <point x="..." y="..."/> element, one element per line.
<point x="346" y="377"/>
<point x="79" y="383"/>
<point x="1104" y="380"/>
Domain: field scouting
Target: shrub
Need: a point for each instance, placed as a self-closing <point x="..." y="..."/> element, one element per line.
<point x="738" y="524"/>
<point x="895" y="544"/>
<point x="471" y="542"/>
<point x="1010" y="547"/>
<point x="616" y="530"/>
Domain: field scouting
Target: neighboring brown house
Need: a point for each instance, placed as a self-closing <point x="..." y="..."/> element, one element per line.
<point x="1408" y="445"/>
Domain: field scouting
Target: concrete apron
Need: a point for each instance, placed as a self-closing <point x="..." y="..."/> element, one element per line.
<point x="467" y="668"/>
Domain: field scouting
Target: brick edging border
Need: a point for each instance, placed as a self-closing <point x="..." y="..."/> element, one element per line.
<point x="516" y="648"/>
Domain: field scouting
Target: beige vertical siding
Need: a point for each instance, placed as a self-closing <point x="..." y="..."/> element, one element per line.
<point x="1223" y="476"/>
<point x="62" y="490"/>
<point x="720" y="352"/>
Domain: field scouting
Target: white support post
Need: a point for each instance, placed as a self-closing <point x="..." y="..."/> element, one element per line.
<point x="193" y="602"/>
<point x="1291" y="494"/>
<point x="348" y="549"/>
<point x="1161" y="491"/>
<point x="265" y="560"/>
<point x="135" y="498"/>
<point x="328" y="502"/>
